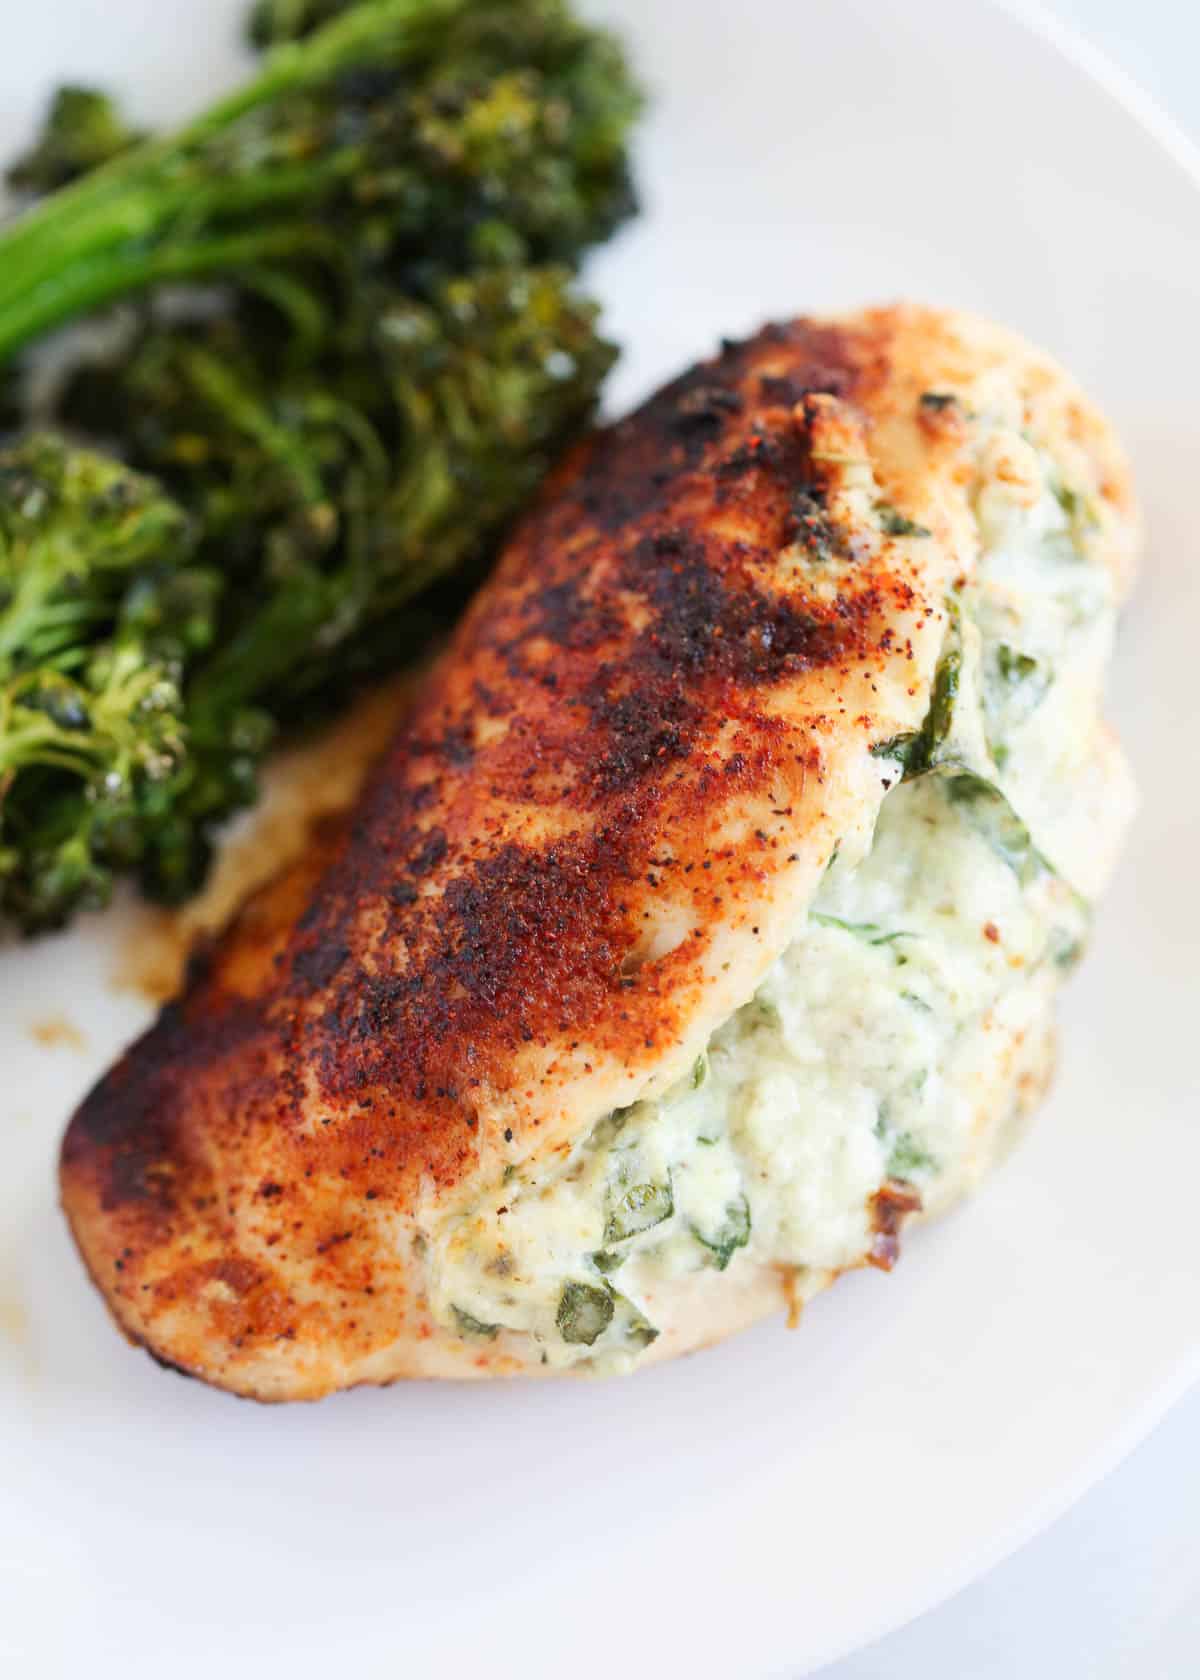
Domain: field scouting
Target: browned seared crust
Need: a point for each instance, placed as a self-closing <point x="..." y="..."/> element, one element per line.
<point x="617" y="791"/>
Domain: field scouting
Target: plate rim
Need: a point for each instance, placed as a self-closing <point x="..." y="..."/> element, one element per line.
<point x="1122" y="90"/>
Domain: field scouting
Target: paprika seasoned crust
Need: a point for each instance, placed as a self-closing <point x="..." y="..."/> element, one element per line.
<point x="600" y="825"/>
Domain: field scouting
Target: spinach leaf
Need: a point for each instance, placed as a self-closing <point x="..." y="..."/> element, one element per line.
<point x="1015" y="667"/>
<point x="584" y="1313"/>
<point x="907" y="1157"/>
<point x="733" y="1233"/>
<point x="639" y="1209"/>
<point x="870" y="931"/>
<point x="469" y="1326"/>
<point x="636" y="1328"/>
<point x="990" y="813"/>
<point x="896" y="524"/>
<point x="921" y="751"/>
<point x="1015" y="685"/>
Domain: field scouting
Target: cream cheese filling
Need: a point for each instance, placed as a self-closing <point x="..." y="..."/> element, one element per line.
<point x="884" y="1047"/>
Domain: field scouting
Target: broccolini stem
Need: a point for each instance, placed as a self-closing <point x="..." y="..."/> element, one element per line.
<point x="66" y="293"/>
<point x="218" y="386"/>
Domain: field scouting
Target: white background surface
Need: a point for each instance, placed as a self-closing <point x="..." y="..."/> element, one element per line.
<point x="1112" y="1591"/>
<point x="152" y="1527"/>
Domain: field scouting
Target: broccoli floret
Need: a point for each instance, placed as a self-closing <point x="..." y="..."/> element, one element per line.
<point x="99" y="612"/>
<point x="83" y="129"/>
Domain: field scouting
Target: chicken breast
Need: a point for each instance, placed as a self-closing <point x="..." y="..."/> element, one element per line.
<point x="704" y="921"/>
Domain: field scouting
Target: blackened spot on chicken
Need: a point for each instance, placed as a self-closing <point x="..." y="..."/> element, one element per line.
<point x="634" y="468"/>
<point x="613" y="507"/>
<point x="713" y="619"/>
<point x="703" y="409"/>
<point x="454" y="747"/>
<point x="125" y="1135"/>
<point x="567" y="617"/>
<point x="710" y="621"/>
<point x="140" y="1170"/>
<point x="778" y="450"/>
<point x="789" y="389"/>
<point x="311" y="915"/>
<point x="122" y="1133"/>
<point x="647" y="727"/>
<point x="429" y="853"/>
<point x="690" y="599"/>
<point x="783" y="389"/>
<point x="402" y="1031"/>
<point x="810" y="526"/>
<point x="744" y="459"/>
<point x="317" y="961"/>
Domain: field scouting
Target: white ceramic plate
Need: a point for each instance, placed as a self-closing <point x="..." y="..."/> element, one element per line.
<point x="764" y="1507"/>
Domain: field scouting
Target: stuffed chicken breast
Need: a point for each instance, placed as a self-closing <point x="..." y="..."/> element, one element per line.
<point x="704" y="922"/>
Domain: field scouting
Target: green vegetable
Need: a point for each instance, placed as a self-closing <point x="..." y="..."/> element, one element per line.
<point x="896" y="747"/>
<point x="930" y="750"/>
<point x="986" y="808"/>
<point x="733" y="1233"/>
<point x="385" y="355"/>
<point x="923" y="750"/>
<point x="1067" y="949"/>
<point x="1015" y="685"/>
<point x="401" y="132"/>
<point x="469" y="1326"/>
<point x="908" y="1157"/>
<point x="935" y="731"/>
<point x="1015" y="668"/>
<point x="607" y="1262"/>
<point x="871" y="932"/>
<point x="83" y="129"/>
<point x="272" y="22"/>
<point x="584" y="1313"/>
<point x="935" y="402"/>
<point x="638" y="1210"/>
<point x="636" y="1328"/>
<point x="333" y="497"/>
<point x="1081" y="515"/>
<point x="813" y="530"/>
<point x="100" y="610"/>
<point x="896" y="524"/>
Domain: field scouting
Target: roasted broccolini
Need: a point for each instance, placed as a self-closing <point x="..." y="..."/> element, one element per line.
<point x="100" y="613"/>
<point x="385" y="355"/>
